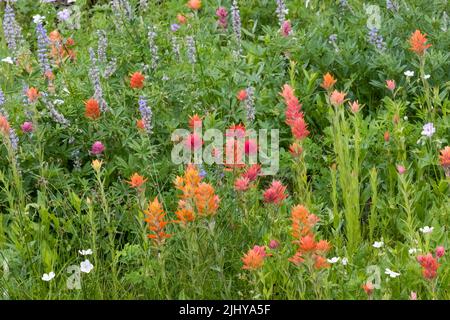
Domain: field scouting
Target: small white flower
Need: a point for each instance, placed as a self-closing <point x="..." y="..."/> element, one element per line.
<point x="86" y="266"/>
<point x="427" y="76"/>
<point x="48" y="276"/>
<point x="8" y="60"/>
<point x="405" y="118"/>
<point x="391" y="273"/>
<point x="409" y="73"/>
<point x="428" y="130"/>
<point x="58" y="102"/>
<point x="85" y="252"/>
<point x="38" y="18"/>
<point x="344" y="261"/>
<point x="378" y="244"/>
<point x="426" y="229"/>
<point x="333" y="260"/>
<point x="412" y="251"/>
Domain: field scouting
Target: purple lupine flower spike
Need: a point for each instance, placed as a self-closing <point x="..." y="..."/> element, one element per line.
<point x="146" y="114"/>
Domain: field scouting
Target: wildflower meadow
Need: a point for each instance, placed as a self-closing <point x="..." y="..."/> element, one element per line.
<point x="225" y="149"/>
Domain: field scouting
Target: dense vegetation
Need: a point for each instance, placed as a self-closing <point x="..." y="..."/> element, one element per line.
<point x="92" y="205"/>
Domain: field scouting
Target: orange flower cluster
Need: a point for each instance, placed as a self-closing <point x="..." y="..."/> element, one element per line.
<point x="418" y="43"/>
<point x="32" y="94"/>
<point x="254" y="258"/>
<point x="155" y="218"/>
<point x="92" y="109"/>
<point x="444" y="157"/>
<point x="194" y="4"/>
<point x="444" y="160"/>
<point x="198" y="198"/>
<point x="303" y="223"/>
<point x="328" y="81"/>
<point x="136" y="181"/>
<point x="60" y="48"/>
<point x="4" y="126"/>
<point x="294" y="116"/>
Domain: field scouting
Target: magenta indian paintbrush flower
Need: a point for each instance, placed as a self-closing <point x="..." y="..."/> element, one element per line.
<point x="222" y="14"/>
<point x="97" y="148"/>
<point x="27" y="127"/>
<point x="286" y="29"/>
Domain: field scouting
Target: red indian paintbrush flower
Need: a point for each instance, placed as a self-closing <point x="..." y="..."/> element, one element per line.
<point x="155" y="218"/>
<point x="429" y="265"/>
<point x="295" y="150"/>
<point x="137" y="80"/>
<point x="368" y="288"/>
<point x="242" y="95"/>
<point x="195" y="121"/>
<point x="253" y="172"/>
<point x="241" y="184"/>
<point x="294" y="117"/>
<point x="418" y="43"/>
<point x="92" y="109"/>
<point x="140" y="124"/>
<point x="276" y="193"/>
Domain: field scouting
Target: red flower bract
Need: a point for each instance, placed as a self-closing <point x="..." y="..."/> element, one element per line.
<point x="275" y="193"/>
<point x="137" y="80"/>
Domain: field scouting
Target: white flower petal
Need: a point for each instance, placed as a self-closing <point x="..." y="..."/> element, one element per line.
<point x="8" y="60"/>
<point x="86" y="266"/>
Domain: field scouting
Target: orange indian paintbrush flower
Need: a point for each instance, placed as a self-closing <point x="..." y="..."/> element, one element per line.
<point x="92" y="109"/>
<point x="4" y="126"/>
<point x="194" y="4"/>
<point x="253" y="259"/>
<point x="328" y="81"/>
<point x="418" y="43"/>
<point x="32" y="94"/>
<point x="136" y="180"/>
<point x="444" y="157"/>
<point x="155" y="218"/>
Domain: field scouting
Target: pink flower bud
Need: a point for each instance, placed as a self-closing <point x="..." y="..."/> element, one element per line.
<point x="273" y="244"/>
<point x="401" y="169"/>
<point x="440" y="251"/>
<point x="390" y="84"/>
